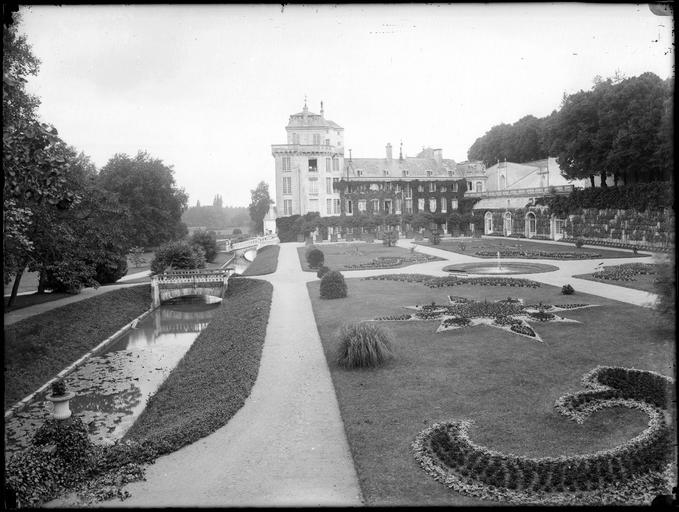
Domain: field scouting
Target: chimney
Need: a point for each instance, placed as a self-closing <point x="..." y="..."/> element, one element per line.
<point x="438" y="156"/>
<point x="389" y="151"/>
<point x="321" y="109"/>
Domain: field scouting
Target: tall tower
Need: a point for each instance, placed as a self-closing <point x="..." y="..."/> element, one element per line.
<point x="308" y="165"/>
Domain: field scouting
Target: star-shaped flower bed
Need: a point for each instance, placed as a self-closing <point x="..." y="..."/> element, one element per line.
<point x="510" y="314"/>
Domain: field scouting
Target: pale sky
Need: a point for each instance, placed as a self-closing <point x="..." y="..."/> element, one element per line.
<point x="208" y="89"/>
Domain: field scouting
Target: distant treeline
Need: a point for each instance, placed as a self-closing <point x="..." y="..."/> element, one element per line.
<point x="216" y="217"/>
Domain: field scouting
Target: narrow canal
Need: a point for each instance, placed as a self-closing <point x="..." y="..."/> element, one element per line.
<point x="113" y="386"/>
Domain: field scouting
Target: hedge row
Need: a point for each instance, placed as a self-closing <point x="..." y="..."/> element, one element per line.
<point x="445" y="448"/>
<point x="640" y="197"/>
<point x="439" y="282"/>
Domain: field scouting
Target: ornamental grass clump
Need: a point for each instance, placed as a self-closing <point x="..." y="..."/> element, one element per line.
<point x="364" y="346"/>
<point x="333" y="286"/>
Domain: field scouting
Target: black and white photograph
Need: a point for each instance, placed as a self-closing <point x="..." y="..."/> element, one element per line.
<point x="339" y="255"/>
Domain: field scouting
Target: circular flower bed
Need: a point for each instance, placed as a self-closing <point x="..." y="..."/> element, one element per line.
<point x="632" y="473"/>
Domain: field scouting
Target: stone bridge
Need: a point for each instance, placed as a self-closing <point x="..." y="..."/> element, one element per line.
<point x="225" y="244"/>
<point x="180" y="283"/>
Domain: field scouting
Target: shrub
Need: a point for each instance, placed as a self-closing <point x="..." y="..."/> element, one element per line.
<point x="178" y="255"/>
<point x="208" y="241"/>
<point x="389" y="238"/>
<point x="136" y="257"/>
<point x="322" y="271"/>
<point x="111" y="269"/>
<point x="237" y="231"/>
<point x="435" y="238"/>
<point x="666" y="288"/>
<point x="567" y="289"/>
<point x="363" y="346"/>
<point x="314" y="257"/>
<point x="579" y="243"/>
<point x="333" y="286"/>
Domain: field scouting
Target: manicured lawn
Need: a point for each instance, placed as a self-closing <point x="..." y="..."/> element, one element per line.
<point x="39" y="347"/>
<point x="512" y="247"/>
<point x="507" y="384"/>
<point x="644" y="282"/>
<point x="212" y="381"/>
<point x="342" y="256"/>
<point x="265" y="262"/>
<point x="23" y="301"/>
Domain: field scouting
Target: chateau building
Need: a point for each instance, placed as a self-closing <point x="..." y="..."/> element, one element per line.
<point x="313" y="175"/>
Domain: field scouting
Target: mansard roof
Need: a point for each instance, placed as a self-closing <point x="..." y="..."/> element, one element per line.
<point x="311" y="120"/>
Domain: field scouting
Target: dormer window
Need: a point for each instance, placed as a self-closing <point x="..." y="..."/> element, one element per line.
<point x="359" y="172"/>
<point x="429" y="173"/>
<point x="385" y="172"/>
<point x="404" y="172"/>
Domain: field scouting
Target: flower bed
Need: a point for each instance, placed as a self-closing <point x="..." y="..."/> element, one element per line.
<point x="625" y="272"/>
<point x="390" y="262"/>
<point x="631" y="473"/>
<point x="506" y="253"/>
<point x="438" y="282"/>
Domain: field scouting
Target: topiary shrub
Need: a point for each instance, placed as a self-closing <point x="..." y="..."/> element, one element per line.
<point x="364" y="346"/>
<point x="333" y="286"/>
<point x="322" y="271"/>
<point x="567" y="289"/>
<point x="314" y="257"/>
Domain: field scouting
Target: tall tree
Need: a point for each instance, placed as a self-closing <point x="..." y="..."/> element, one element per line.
<point x="259" y="205"/>
<point x="145" y="186"/>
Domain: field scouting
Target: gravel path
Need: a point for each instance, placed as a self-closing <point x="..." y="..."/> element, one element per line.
<point x="286" y="446"/>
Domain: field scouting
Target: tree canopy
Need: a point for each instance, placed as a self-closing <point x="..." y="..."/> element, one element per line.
<point x="259" y="205"/>
<point x="146" y="188"/>
<point x="622" y="128"/>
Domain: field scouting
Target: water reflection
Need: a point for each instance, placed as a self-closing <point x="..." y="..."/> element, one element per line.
<point x="112" y="387"/>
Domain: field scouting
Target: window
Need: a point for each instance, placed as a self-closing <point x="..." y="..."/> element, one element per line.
<point x="313" y="187"/>
<point x="336" y="206"/>
<point x="450" y="173"/>
<point x="317" y="139"/>
<point x="432" y="204"/>
<point x="328" y="206"/>
<point x="327" y="142"/>
<point x="420" y="204"/>
<point x="397" y="188"/>
<point x="287" y="184"/>
<point x="508" y="223"/>
<point x="429" y="173"/>
<point x="287" y="207"/>
<point x="479" y="186"/>
<point x="444" y="205"/>
<point x="408" y="191"/>
<point x="409" y="206"/>
<point x="328" y="185"/>
<point x="454" y="187"/>
<point x="350" y="207"/>
<point x="443" y="188"/>
<point x="385" y="172"/>
<point x="453" y="204"/>
<point x="286" y="163"/>
<point x="361" y="205"/>
<point x="404" y="172"/>
<point x="432" y="187"/>
<point x="420" y="188"/>
<point x="530" y="224"/>
<point x="313" y="165"/>
<point x="359" y="172"/>
<point x="397" y="206"/>
<point x="469" y="186"/>
<point x="313" y="205"/>
<point x="488" y="218"/>
<point x="375" y="205"/>
<point x="327" y="165"/>
<point x="335" y="181"/>
<point x="335" y="164"/>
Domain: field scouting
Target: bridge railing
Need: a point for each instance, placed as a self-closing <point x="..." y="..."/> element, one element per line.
<point x="254" y="242"/>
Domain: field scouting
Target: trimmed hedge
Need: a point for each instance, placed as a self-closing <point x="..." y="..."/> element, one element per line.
<point x="445" y="449"/>
<point x="213" y="379"/>
<point x="314" y="256"/>
<point x="322" y="271"/>
<point x="333" y="286"/>
<point x="265" y="262"/>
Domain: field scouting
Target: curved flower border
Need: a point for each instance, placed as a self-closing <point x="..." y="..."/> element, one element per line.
<point x="639" y="489"/>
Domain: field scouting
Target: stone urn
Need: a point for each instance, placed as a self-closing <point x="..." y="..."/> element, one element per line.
<point x="61" y="410"/>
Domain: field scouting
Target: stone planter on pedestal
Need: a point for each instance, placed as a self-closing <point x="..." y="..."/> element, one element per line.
<point x="61" y="407"/>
